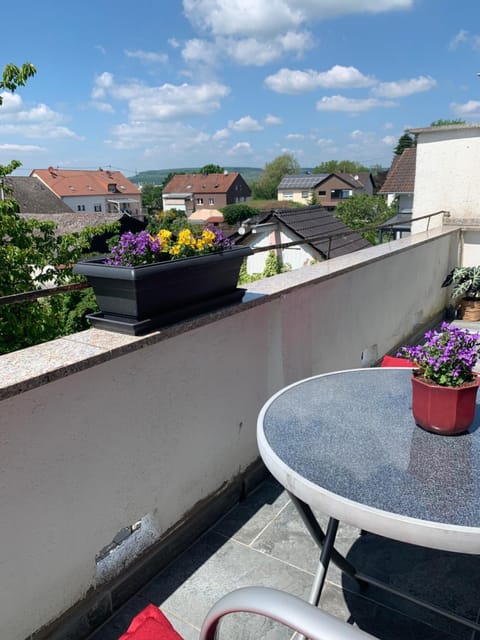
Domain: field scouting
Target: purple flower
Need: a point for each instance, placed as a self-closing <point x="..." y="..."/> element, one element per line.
<point x="447" y="357"/>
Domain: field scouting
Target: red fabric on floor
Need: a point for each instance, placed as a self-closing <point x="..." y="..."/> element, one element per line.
<point x="390" y="361"/>
<point x="150" y="624"/>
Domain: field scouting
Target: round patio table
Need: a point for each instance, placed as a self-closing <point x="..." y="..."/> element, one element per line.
<point x="346" y="443"/>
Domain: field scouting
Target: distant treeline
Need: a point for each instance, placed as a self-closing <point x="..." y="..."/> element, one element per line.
<point x="249" y="174"/>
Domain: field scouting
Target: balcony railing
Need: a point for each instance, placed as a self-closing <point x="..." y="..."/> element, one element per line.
<point x="102" y="433"/>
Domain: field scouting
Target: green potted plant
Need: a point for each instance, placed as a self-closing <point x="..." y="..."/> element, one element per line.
<point x="465" y="283"/>
<point x="444" y="384"/>
<point x="149" y="281"/>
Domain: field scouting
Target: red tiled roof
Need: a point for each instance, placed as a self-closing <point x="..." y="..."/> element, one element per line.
<point x="401" y="177"/>
<point x="73" y="182"/>
<point x="196" y="183"/>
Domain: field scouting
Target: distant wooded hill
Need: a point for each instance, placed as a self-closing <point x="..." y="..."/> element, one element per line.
<point x="249" y="174"/>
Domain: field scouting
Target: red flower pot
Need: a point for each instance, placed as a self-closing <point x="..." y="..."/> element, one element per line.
<point x="444" y="410"/>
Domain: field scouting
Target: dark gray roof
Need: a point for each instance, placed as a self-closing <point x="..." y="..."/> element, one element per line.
<point x="34" y="197"/>
<point x="73" y="222"/>
<point x="301" y="181"/>
<point x="333" y="238"/>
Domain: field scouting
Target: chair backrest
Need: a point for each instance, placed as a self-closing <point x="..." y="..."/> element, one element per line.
<point x="293" y="612"/>
<point x="298" y="615"/>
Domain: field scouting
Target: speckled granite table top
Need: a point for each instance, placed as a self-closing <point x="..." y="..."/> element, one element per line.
<point x="352" y="434"/>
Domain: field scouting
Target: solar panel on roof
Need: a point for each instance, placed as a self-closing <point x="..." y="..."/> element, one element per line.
<point x="300" y="181"/>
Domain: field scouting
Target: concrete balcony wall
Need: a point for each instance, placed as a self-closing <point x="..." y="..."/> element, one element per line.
<point x="99" y="430"/>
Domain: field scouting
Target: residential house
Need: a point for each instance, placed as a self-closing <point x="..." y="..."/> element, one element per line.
<point x="400" y="181"/>
<point x="328" y="189"/>
<point x="100" y="191"/>
<point x="324" y="235"/>
<point x="33" y="197"/>
<point x="399" y="187"/>
<point x="188" y="192"/>
<point x="446" y="180"/>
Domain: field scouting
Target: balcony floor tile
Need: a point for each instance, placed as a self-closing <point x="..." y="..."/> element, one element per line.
<point x="262" y="541"/>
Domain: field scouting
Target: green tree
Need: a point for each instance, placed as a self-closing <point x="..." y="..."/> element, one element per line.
<point x="406" y="141"/>
<point x="152" y="197"/>
<point x="211" y="168"/>
<point x="265" y="188"/>
<point x="445" y="123"/>
<point x="363" y="210"/>
<point x="339" y="166"/>
<point x="32" y="256"/>
<point x="14" y="77"/>
<point x="235" y="213"/>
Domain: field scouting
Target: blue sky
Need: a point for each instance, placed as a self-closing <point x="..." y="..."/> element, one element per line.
<point x="155" y="85"/>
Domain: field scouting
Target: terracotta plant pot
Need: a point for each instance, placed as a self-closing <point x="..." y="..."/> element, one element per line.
<point x="444" y="410"/>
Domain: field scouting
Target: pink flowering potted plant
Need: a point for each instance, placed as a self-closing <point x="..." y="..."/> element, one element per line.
<point x="149" y="281"/>
<point x="444" y="383"/>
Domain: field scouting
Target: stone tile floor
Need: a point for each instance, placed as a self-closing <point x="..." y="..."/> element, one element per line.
<point x="262" y="541"/>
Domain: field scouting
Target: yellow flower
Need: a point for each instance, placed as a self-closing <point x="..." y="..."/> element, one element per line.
<point x="175" y="250"/>
<point x="165" y="237"/>
<point x="208" y="237"/>
<point x="186" y="237"/>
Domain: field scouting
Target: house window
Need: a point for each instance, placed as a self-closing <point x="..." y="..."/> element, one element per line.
<point x="322" y="193"/>
<point x="211" y="201"/>
<point x="305" y="194"/>
<point x="97" y="208"/>
<point x="80" y="207"/>
<point x="199" y="200"/>
<point x="287" y="195"/>
<point x="340" y="194"/>
<point x="112" y="187"/>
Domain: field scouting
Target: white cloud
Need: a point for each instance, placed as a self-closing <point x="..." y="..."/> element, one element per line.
<point x="221" y="134"/>
<point x="200" y="51"/>
<point x="138" y="134"/>
<point x="21" y="148"/>
<point x="356" y="134"/>
<point x="467" y="109"/>
<point x="404" y="88"/>
<point x="165" y="102"/>
<point x="272" y="120"/>
<point x="106" y="107"/>
<point x="296" y="81"/>
<point x="464" y="37"/>
<point x="39" y="121"/>
<point x="247" y="123"/>
<point x="241" y="17"/>
<point x="295" y="136"/>
<point x="174" y="43"/>
<point x="350" y="105"/>
<point x="150" y="57"/>
<point x="239" y="148"/>
<point x="389" y="140"/>
<point x="176" y="101"/>
<point x="11" y="103"/>
<point x="254" y="32"/>
<point x="101" y="48"/>
<point x="260" y="51"/>
<point x="101" y="84"/>
<point x="324" y="142"/>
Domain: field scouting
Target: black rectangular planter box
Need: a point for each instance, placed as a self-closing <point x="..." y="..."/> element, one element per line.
<point x="135" y="300"/>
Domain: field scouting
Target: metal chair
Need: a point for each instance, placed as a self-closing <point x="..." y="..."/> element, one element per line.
<point x="287" y="609"/>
